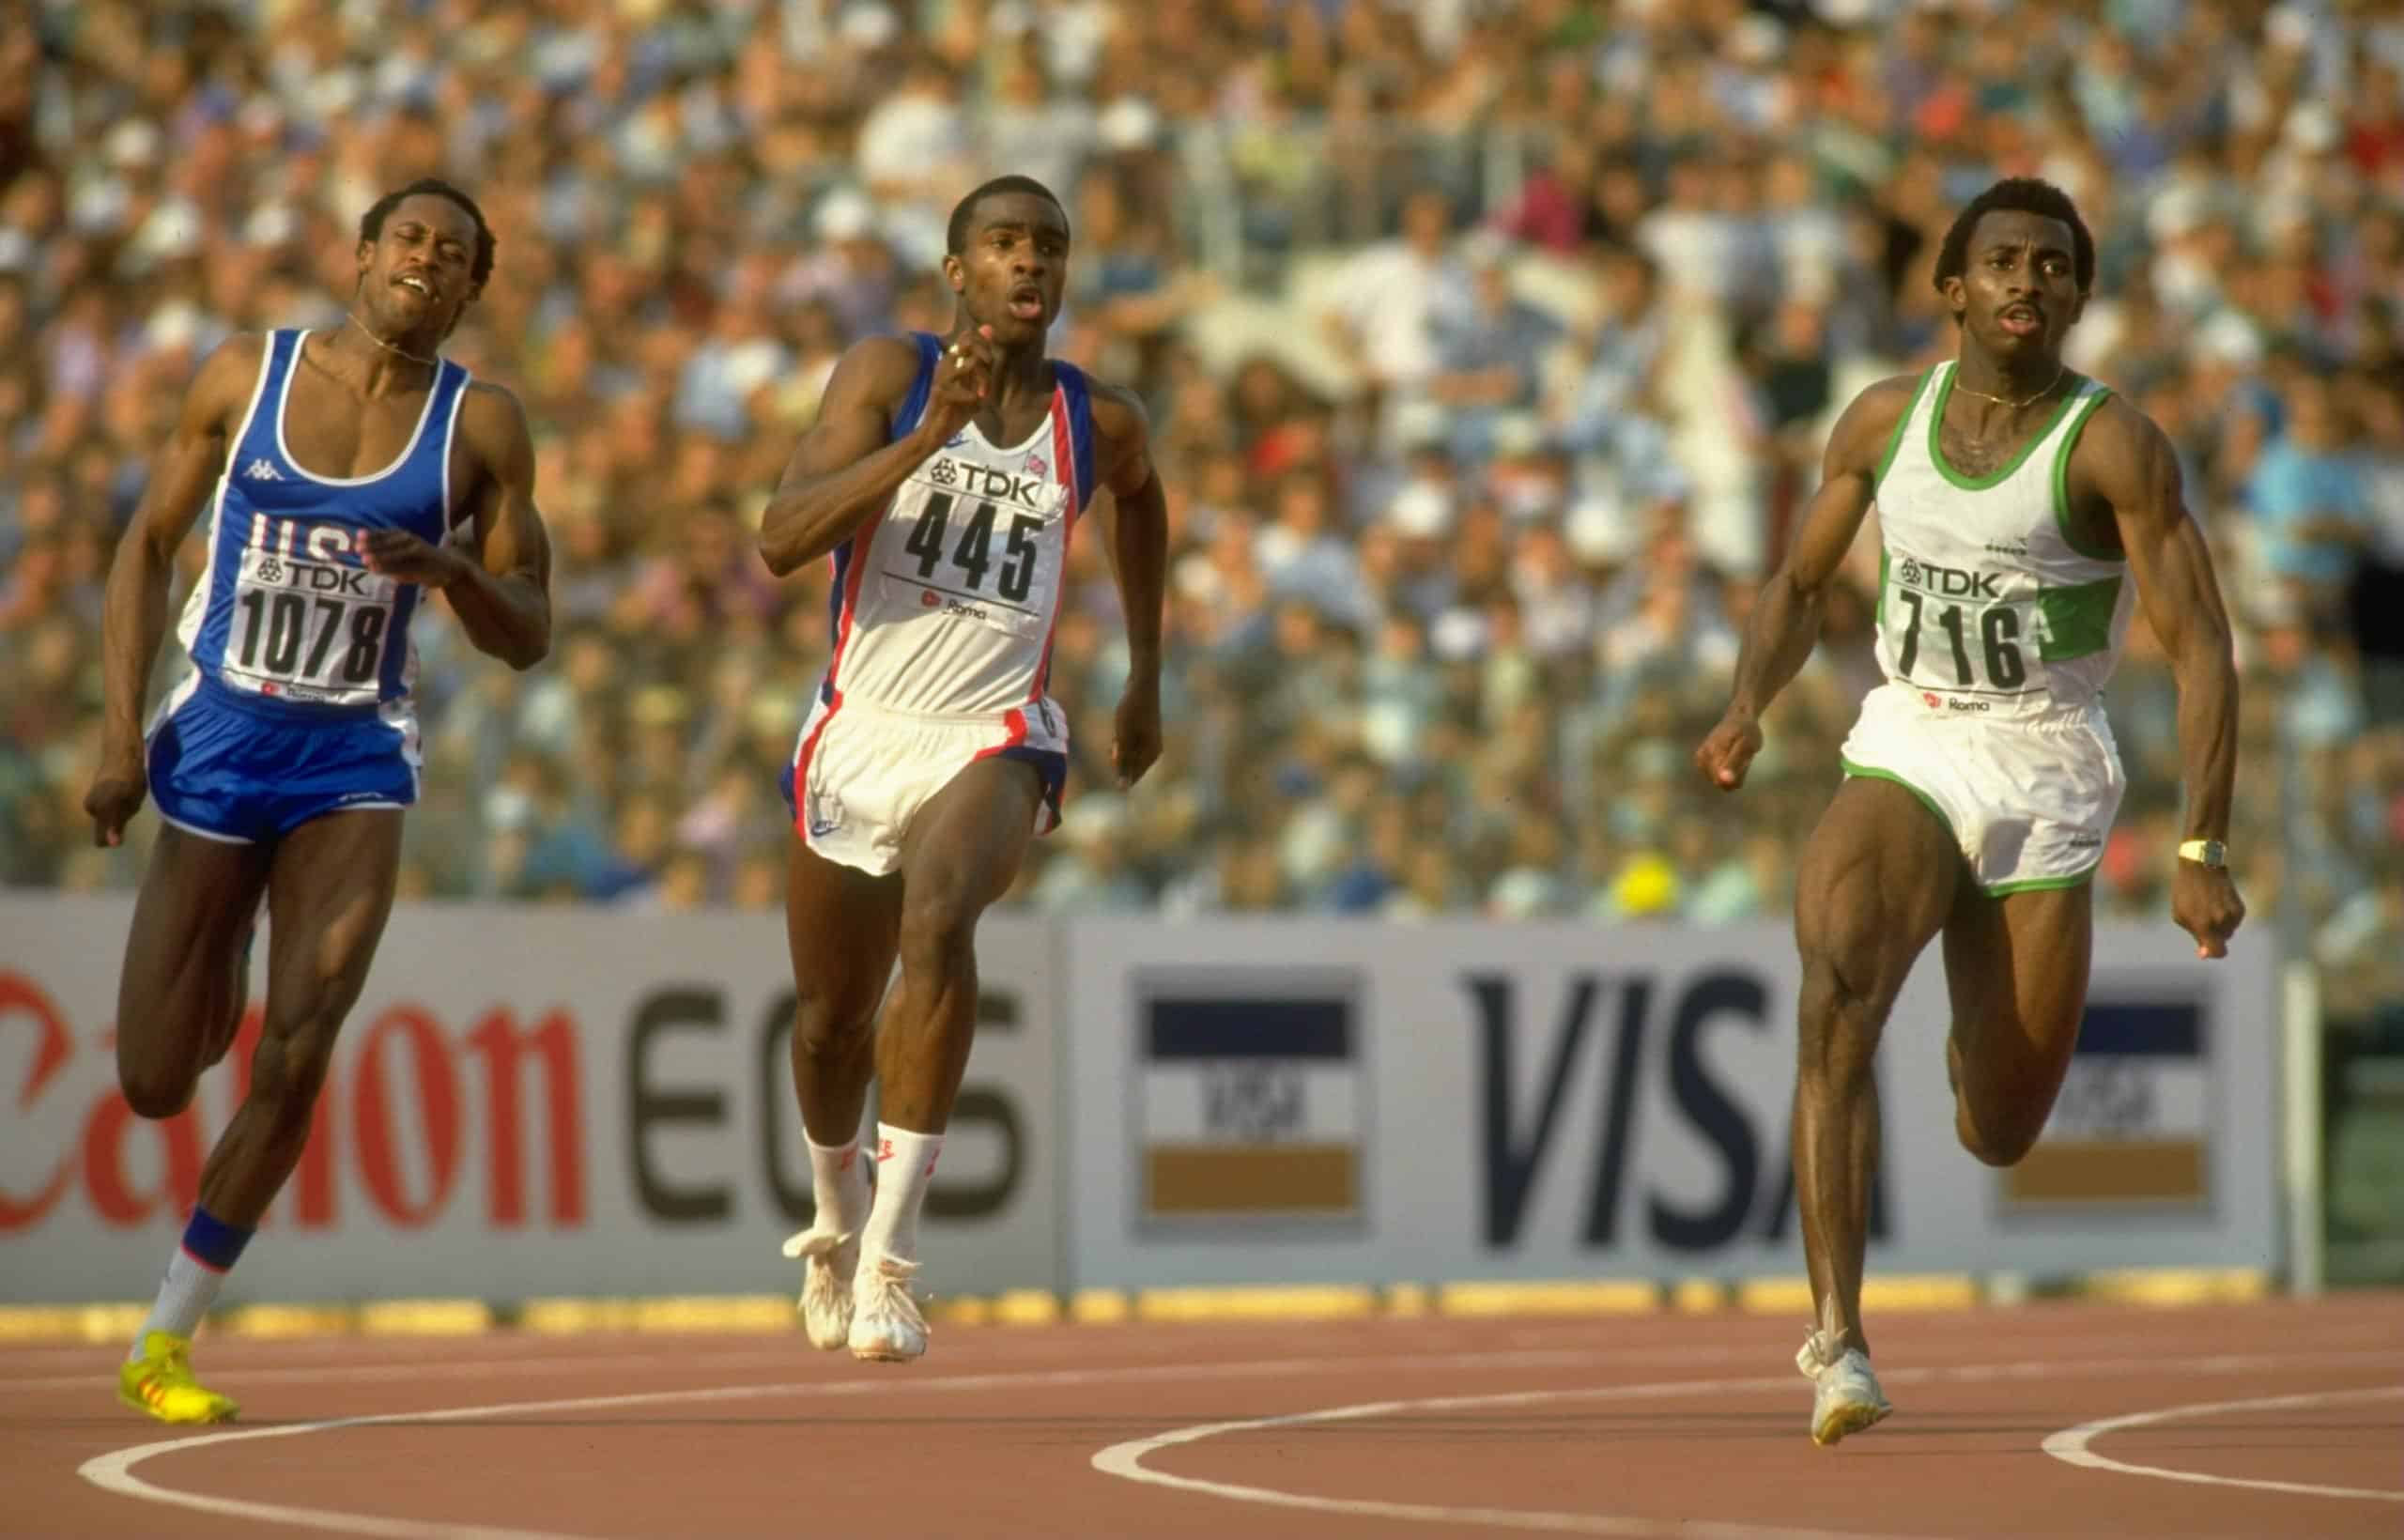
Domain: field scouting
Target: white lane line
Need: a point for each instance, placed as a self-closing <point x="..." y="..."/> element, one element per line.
<point x="236" y="1380"/>
<point x="544" y="1357"/>
<point x="767" y="1349"/>
<point x="114" y="1471"/>
<point x="2072" y="1444"/>
<point x="1126" y="1460"/>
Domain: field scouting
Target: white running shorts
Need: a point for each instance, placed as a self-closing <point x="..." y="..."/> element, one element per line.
<point x="861" y="773"/>
<point x="2028" y="795"/>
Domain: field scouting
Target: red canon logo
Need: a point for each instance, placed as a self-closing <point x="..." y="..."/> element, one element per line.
<point x="372" y="1116"/>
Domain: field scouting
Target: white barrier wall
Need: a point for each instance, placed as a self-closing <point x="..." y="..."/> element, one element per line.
<point x="1296" y="1101"/>
<point x="538" y="1101"/>
<point x="525" y="1103"/>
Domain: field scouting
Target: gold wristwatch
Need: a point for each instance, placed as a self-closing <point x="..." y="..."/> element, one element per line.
<point x="2211" y="853"/>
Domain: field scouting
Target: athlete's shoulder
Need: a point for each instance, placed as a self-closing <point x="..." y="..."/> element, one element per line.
<point x="875" y="373"/>
<point x="888" y="358"/>
<point x="489" y="402"/>
<point x="1869" y="421"/>
<point x="2118" y="426"/>
<point x="226" y="376"/>
<point x="1119" y="413"/>
<point x="494" y="423"/>
<point x="2126" y="456"/>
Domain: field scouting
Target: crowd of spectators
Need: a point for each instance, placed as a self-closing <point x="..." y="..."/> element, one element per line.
<point x="1488" y="348"/>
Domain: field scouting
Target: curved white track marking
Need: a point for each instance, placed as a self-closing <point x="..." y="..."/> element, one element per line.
<point x="114" y="1471"/>
<point x="1126" y="1460"/>
<point x="2071" y="1443"/>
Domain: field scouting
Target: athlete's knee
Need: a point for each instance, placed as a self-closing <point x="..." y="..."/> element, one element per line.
<point x="289" y="1066"/>
<point x="1996" y="1138"/>
<point x="1844" y="964"/>
<point x="154" y="1089"/>
<point x="1842" y="1010"/>
<point x="830" y="1021"/>
<point x="938" y="933"/>
<point x="1999" y="1128"/>
<point x="2001" y="1099"/>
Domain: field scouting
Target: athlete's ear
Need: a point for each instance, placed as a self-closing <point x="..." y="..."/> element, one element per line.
<point x="955" y="272"/>
<point x="1957" y="299"/>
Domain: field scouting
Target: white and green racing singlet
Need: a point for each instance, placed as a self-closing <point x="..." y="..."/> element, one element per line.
<point x="1987" y="603"/>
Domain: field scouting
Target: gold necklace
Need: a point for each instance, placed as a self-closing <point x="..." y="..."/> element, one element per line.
<point x="430" y="362"/>
<point x="2058" y="371"/>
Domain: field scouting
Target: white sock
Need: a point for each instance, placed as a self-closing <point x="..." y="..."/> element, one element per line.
<point x="184" y="1296"/>
<point x="840" y="1179"/>
<point x="905" y="1161"/>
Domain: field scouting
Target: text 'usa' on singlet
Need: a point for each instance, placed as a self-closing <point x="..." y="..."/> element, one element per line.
<point x="285" y="611"/>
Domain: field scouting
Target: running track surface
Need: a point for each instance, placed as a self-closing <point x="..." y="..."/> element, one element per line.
<point x="2274" y="1419"/>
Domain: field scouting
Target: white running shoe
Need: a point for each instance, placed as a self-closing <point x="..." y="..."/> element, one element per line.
<point x="885" y="1323"/>
<point x="829" y="1261"/>
<point x="1848" y="1398"/>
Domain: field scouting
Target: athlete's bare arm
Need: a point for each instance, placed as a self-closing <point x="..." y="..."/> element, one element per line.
<point x="843" y="469"/>
<point x="2124" y="459"/>
<point x="1138" y="538"/>
<point x="502" y="596"/>
<point x="133" y="617"/>
<point x="1786" y="616"/>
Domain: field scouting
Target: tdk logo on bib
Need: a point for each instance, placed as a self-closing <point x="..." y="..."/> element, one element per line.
<point x="984" y="482"/>
<point x="1953" y="582"/>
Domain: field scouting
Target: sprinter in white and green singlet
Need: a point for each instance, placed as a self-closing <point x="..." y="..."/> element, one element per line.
<point x="2025" y="511"/>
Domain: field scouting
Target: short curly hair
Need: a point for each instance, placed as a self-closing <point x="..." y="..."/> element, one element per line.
<point x="2018" y="196"/>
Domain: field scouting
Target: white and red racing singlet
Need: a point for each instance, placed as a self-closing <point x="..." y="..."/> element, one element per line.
<point x="944" y="602"/>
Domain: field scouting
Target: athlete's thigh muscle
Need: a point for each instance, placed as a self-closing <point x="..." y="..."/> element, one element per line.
<point x="198" y="901"/>
<point x="841" y="927"/>
<point x="2016" y="967"/>
<point x="1876" y="882"/>
<point x="329" y="898"/>
<point x="964" y="848"/>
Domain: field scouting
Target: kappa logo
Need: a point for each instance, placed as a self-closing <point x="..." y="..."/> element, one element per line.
<point x="260" y="470"/>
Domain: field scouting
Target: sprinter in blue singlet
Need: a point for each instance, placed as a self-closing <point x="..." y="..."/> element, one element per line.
<point x="344" y="474"/>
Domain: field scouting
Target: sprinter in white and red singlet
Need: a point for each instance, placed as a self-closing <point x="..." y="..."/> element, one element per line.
<point x="944" y="480"/>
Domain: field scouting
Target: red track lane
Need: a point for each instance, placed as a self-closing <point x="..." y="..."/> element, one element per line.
<point x="1607" y="1426"/>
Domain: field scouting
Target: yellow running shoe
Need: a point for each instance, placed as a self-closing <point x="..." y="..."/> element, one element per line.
<point x="160" y="1384"/>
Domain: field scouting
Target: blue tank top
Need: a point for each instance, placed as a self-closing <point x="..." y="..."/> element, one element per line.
<point x="287" y="613"/>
